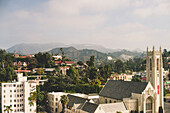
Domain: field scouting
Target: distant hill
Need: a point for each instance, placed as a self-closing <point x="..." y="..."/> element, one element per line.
<point x="77" y="55"/>
<point x="125" y="54"/>
<point x="26" y="49"/>
<point x="94" y="47"/>
<point x="33" y="48"/>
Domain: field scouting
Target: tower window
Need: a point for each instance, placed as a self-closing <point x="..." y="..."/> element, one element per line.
<point x="150" y="64"/>
<point x="157" y="64"/>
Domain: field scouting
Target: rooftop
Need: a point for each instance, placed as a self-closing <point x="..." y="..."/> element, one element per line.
<point x="122" y="89"/>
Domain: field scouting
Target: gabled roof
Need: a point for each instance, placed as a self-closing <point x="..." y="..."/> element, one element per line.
<point x="122" y="89"/>
<point x="89" y="107"/>
<point x="75" y="100"/>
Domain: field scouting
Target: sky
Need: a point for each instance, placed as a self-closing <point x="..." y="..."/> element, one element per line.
<point x="116" y="24"/>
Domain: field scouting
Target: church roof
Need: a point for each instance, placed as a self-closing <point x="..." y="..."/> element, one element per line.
<point x="122" y="89"/>
<point x="75" y="100"/>
<point x="89" y="107"/>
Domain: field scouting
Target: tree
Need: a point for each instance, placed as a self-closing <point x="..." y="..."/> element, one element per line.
<point x="32" y="99"/>
<point x="40" y="71"/>
<point x="64" y="100"/>
<point x="95" y="82"/>
<point x="91" y="62"/>
<point x="119" y="67"/>
<point x="8" y="109"/>
<point x="80" y="63"/>
<point x="136" y="79"/>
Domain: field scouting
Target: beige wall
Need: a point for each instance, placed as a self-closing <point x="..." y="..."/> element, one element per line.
<point x="102" y="100"/>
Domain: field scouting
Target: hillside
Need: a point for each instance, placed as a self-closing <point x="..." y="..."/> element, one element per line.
<point x="32" y="48"/>
<point x="126" y="53"/>
<point x="77" y="55"/>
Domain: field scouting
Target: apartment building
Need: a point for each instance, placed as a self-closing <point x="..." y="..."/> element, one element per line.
<point x="16" y="95"/>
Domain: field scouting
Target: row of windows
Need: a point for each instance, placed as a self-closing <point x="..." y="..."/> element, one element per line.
<point x="14" y="85"/>
<point x="18" y="90"/>
<point x="52" y="109"/>
<point x="106" y="101"/>
<point x="18" y="95"/>
<point x="17" y="110"/>
<point x="16" y="105"/>
<point x="18" y="100"/>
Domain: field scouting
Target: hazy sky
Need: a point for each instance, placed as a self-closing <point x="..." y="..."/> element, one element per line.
<point x="113" y="24"/>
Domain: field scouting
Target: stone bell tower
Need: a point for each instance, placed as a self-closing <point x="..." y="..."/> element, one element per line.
<point x="154" y="75"/>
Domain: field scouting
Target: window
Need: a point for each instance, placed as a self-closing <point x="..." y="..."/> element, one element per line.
<point x="55" y="109"/>
<point x="10" y="95"/>
<point x="14" y="85"/>
<point x="110" y="101"/>
<point x="4" y="91"/>
<point x="10" y="100"/>
<point x="4" y="85"/>
<point x="15" y="100"/>
<point x="4" y="96"/>
<point x="105" y="100"/>
<point x="56" y="99"/>
<point x="56" y="103"/>
<point x="14" y="105"/>
<point x="14" y="90"/>
<point x="30" y="109"/>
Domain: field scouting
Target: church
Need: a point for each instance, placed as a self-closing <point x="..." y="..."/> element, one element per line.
<point x="141" y="97"/>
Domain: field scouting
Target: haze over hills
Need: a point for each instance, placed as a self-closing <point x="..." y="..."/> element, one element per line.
<point x="33" y="48"/>
<point x="76" y="51"/>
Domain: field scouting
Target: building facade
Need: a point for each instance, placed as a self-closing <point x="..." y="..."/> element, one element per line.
<point x="16" y="95"/>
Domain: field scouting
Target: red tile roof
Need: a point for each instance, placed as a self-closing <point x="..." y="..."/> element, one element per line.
<point x="67" y="62"/>
<point x="21" y="71"/>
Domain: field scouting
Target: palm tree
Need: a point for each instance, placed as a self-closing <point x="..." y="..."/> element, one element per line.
<point x="32" y="98"/>
<point x="8" y="108"/>
<point x="64" y="100"/>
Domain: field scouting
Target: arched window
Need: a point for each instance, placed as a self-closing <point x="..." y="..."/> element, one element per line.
<point x="105" y="100"/>
<point x="149" y="105"/>
<point x="110" y="101"/>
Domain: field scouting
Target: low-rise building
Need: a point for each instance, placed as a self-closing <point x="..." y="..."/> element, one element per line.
<point x="124" y="77"/>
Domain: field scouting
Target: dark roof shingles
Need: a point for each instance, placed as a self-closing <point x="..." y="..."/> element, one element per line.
<point x="122" y="89"/>
<point x="75" y="100"/>
<point x="89" y="107"/>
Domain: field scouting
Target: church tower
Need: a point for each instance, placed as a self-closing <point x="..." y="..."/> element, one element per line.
<point x="154" y="75"/>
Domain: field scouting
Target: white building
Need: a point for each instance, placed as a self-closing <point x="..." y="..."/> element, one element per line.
<point x="16" y="95"/>
<point x="54" y="101"/>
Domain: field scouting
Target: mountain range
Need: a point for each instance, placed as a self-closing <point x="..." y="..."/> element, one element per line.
<point x="76" y="52"/>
